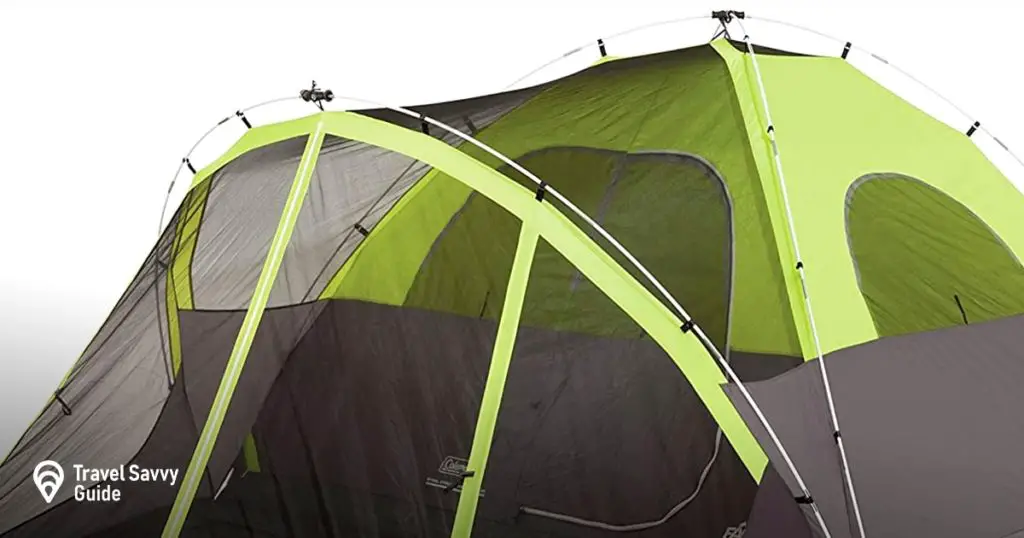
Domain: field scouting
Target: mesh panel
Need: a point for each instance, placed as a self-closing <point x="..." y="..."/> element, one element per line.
<point x="600" y="429"/>
<point x="355" y="185"/>
<point x="242" y="212"/>
<point x="370" y="416"/>
<point x="114" y="393"/>
<point x="670" y="211"/>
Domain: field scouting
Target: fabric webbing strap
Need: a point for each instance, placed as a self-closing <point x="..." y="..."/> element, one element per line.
<point x="233" y="370"/>
<point x="501" y="357"/>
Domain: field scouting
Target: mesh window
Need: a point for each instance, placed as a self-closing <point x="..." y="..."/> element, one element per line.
<point x="242" y="212"/>
<point x="114" y="395"/>
<point x="355" y="185"/>
<point x="671" y="211"/>
<point x="924" y="261"/>
<point x="374" y="411"/>
<point x="598" y="431"/>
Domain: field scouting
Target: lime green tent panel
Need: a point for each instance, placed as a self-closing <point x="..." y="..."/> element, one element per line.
<point x="597" y="109"/>
<point x="834" y="125"/>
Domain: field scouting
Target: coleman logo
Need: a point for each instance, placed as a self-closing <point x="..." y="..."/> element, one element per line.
<point x="452" y="466"/>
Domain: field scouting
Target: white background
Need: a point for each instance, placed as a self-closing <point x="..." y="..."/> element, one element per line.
<point x="99" y="105"/>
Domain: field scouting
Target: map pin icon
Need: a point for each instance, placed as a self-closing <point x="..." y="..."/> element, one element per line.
<point x="48" y="476"/>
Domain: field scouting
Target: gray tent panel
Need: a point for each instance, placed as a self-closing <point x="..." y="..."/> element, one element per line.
<point x="933" y="427"/>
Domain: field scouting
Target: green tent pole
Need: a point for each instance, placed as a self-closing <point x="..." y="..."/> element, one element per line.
<point x="233" y="370"/>
<point x="501" y="357"/>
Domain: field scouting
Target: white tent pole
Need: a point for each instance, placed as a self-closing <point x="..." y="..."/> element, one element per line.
<point x="803" y="282"/>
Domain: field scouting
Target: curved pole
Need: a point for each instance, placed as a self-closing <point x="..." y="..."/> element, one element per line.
<point x="185" y="160"/>
<point x="688" y="323"/>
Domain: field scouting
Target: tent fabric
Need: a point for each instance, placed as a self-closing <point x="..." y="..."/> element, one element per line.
<point x="924" y="261"/>
<point x="362" y="395"/>
<point x="933" y="444"/>
<point x="114" y="394"/>
<point x="775" y="513"/>
<point x="833" y="125"/>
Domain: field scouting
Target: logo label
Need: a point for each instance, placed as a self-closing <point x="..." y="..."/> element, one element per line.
<point x="96" y="484"/>
<point x="48" y="476"/>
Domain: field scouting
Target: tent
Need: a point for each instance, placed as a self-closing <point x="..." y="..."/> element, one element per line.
<point x="600" y="306"/>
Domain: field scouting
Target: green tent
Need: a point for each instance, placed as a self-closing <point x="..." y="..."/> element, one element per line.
<point x="373" y="323"/>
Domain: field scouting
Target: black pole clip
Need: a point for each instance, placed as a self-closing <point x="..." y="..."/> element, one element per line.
<point x="188" y="163"/>
<point x="316" y="96"/>
<point x="973" y="128"/>
<point x="804" y="499"/>
<point x="541" y="189"/>
<point x="459" y="481"/>
<point x="64" y="407"/>
<point x="846" y="49"/>
<point x="359" y="228"/>
<point x="687" y="326"/>
<point x="600" y="45"/>
<point x="245" y="120"/>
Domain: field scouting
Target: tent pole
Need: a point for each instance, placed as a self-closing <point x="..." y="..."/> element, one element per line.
<point x="233" y="369"/>
<point x="688" y="326"/>
<point x="504" y="345"/>
<point x="851" y="491"/>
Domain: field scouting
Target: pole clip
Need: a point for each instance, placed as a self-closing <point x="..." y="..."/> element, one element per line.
<point x="687" y="326"/>
<point x="600" y="45"/>
<point x="245" y="120"/>
<point x="188" y="163"/>
<point x="359" y="228"/>
<point x="64" y="407"/>
<point x="973" y="128"/>
<point x="846" y="49"/>
<point x="804" y="499"/>
<point x="541" y="189"/>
